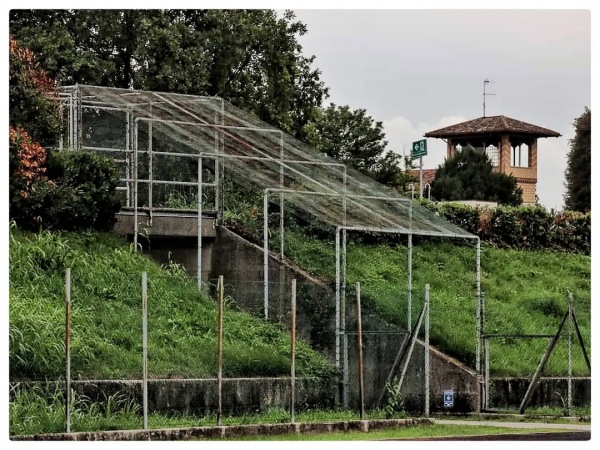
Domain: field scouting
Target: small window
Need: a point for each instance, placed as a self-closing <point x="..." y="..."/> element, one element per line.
<point x="519" y="156"/>
<point x="492" y="153"/>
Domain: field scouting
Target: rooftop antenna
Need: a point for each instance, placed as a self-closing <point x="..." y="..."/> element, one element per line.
<point x="486" y="81"/>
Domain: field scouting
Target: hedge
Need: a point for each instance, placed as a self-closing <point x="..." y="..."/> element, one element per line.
<point x="521" y="227"/>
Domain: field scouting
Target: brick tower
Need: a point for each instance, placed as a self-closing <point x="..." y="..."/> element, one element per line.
<point x="510" y="144"/>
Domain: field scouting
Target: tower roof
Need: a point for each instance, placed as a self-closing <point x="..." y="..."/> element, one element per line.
<point x="491" y="125"/>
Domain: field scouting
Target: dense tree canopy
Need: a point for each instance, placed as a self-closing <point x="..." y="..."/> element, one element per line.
<point x="578" y="176"/>
<point x="469" y="175"/>
<point x="67" y="190"/>
<point x="356" y="139"/>
<point x="251" y="58"/>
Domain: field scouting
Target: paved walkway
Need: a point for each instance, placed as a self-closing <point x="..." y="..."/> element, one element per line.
<point x="529" y="425"/>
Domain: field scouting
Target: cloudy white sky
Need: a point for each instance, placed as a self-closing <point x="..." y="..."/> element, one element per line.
<point x="419" y="70"/>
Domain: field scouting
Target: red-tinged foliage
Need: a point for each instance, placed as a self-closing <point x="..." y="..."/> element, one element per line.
<point x="31" y="157"/>
<point x="30" y="72"/>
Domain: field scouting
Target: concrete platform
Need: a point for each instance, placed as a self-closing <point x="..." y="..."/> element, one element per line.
<point x="166" y="224"/>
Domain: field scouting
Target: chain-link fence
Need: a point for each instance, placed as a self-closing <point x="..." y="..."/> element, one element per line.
<point x="143" y="343"/>
<point x="555" y="353"/>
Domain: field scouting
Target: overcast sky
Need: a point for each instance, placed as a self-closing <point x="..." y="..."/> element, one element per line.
<point x="420" y="70"/>
<point x="417" y="70"/>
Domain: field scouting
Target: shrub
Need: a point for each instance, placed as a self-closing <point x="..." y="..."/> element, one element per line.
<point x="80" y="194"/>
<point x="521" y="227"/>
<point x="535" y="227"/>
<point x="571" y="230"/>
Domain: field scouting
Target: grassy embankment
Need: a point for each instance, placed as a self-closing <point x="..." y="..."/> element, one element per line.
<point x="106" y="334"/>
<point x="525" y="293"/>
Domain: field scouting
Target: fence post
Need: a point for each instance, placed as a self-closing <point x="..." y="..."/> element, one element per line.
<point x="220" y="354"/>
<point x="145" y="346"/>
<point x="68" y="349"/>
<point x="486" y="353"/>
<point x="293" y="356"/>
<point x="427" y="351"/>
<point x="570" y="351"/>
<point x="345" y="368"/>
<point x="199" y="224"/>
<point x="360" y="354"/>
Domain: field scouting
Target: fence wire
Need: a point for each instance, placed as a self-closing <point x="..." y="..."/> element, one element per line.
<point x="161" y="138"/>
<point x="107" y="348"/>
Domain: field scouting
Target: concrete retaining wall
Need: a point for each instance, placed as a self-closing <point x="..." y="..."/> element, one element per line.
<point x="241" y="264"/>
<point x="199" y="396"/>
<point x="509" y="392"/>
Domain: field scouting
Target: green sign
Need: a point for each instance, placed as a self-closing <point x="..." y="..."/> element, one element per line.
<point x="419" y="148"/>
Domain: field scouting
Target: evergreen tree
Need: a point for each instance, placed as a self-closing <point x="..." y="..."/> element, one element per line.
<point x="578" y="175"/>
<point x="469" y="175"/>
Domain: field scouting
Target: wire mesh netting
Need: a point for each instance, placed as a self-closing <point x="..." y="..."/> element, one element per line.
<point x="524" y="345"/>
<point x="107" y="343"/>
<point x="160" y="140"/>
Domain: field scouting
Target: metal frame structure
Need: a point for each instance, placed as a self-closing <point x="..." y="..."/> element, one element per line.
<point x="163" y="113"/>
<point x="486" y="338"/>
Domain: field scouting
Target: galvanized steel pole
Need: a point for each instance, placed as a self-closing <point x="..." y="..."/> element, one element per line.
<point x="266" y="252"/>
<point x="68" y="349"/>
<point x="427" y="356"/>
<point x="486" y="353"/>
<point x="216" y="179"/>
<point x="128" y="157"/>
<point x="150" y="164"/>
<point x="337" y="298"/>
<point x="281" y="201"/>
<point x="221" y="288"/>
<point x="361" y="385"/>
<point x="409" y="272"/>
<point x="421" y="178"/>
<point x="345" y="395"/>
<point x="293" y="356"/>
<point x="135" y="186"/>
<point x="145" y="346"/>
<point x="570" y="356"/>
<point x="478" y="310"/>
<point x="199" y="226"/>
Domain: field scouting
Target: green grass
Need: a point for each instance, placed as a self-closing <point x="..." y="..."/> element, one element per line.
<point x="35" y="411"/>
<point x="412" y="432"/>
<point x="525" y="293"/>
<point x="106" y="323"/>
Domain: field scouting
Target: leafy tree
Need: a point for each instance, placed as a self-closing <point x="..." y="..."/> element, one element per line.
<point x="469" y="175"/>
<point x="33" y="119"/>
<point x="356" y="139"/>
<point x="64" y="191"/>
<point x="578" y="175"/>
<point x="251" y="58"/>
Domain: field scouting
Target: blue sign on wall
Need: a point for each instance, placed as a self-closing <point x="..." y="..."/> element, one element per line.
<point x="448" y="399"/>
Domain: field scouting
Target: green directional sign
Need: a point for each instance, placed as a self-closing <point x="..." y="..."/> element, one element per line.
<point x="419" y="148"/>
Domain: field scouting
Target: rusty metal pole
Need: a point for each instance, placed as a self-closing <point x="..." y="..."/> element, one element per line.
<point x="145" y="347"/>
<point x="68" y="349"/>
<point x="361" y="386"/>
<point x="220" y="354"/>
<point x="293" y="356"/>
